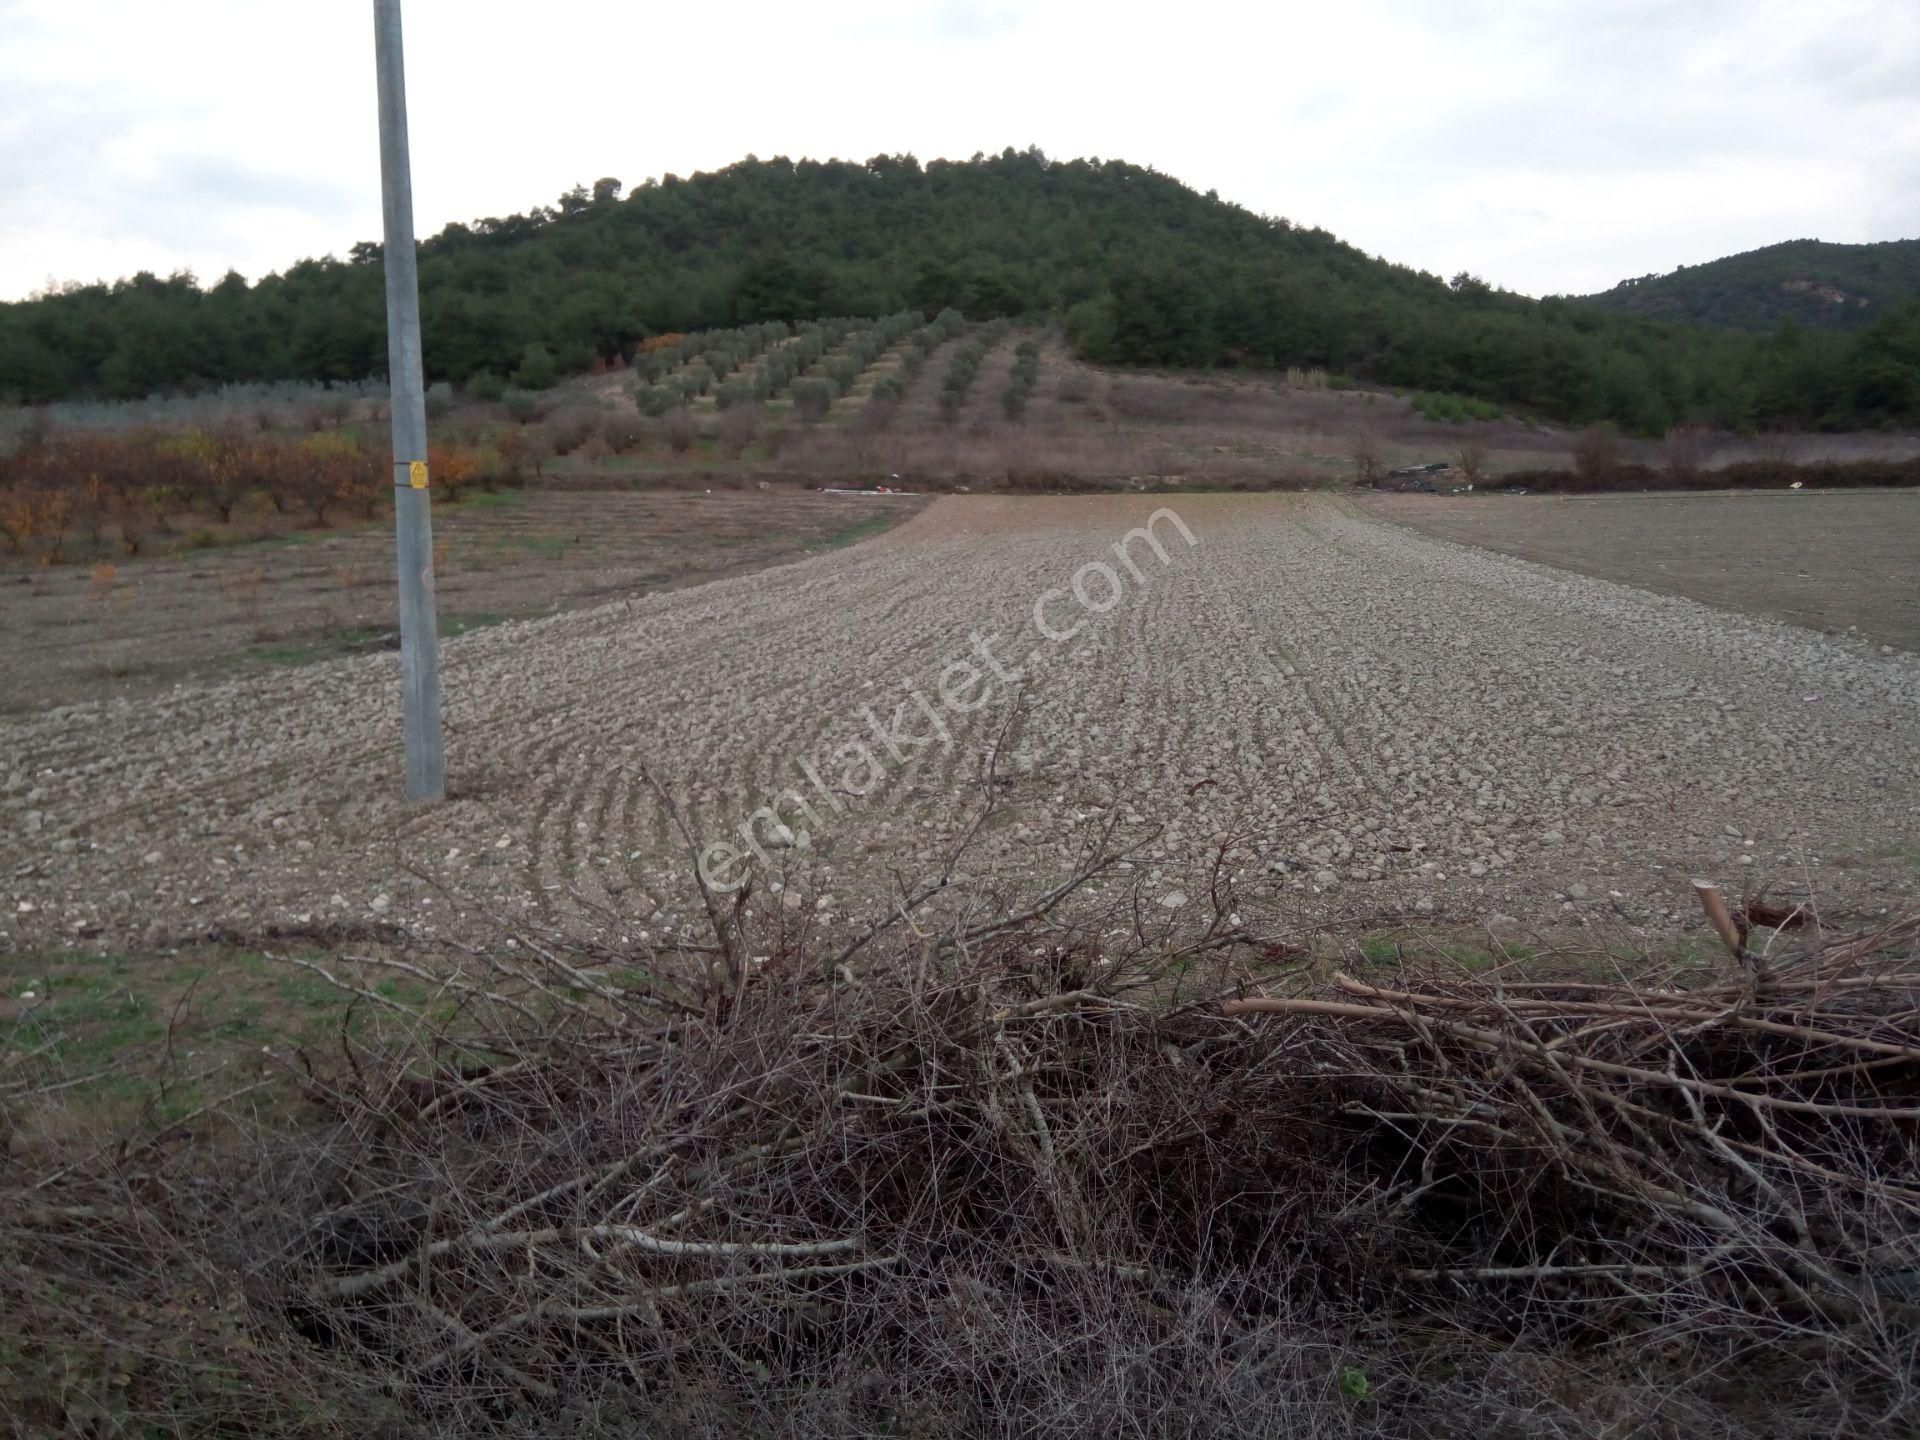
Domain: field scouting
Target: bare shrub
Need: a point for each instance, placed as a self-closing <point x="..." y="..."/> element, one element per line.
<point x="568" y="427"/>
<point x="623" y="430"/>
<point x="1777" y="445"/>
<point x="1687" y="449"/>
<point x="1596" y="452"/>
<point x="1074" y="388"/>
<point x="523" y="451"/>
<point x="1368" y="457"/>
<point x="738" y="427"/>
<point x="679" y="430"/>
<point x="1027" y="1162"/>
<point x="1471" y="457"/>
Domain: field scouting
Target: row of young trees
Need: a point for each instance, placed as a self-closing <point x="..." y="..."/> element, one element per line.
<point x="964" y="368"/>
<point x="117" y="491"/>
<point x="1143" y="270"/>
<point x="814" y="364"/>
<point x="1021" y="379"/>
<point x="892" y="387"/>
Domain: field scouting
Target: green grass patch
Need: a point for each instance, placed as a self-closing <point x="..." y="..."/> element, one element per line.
<point x="287" y="537"/>
<point x="491" y="499"/>
<point x="366" y="639"/>
<point x="854" y="534"/>
<point x="354" y="640"/>
<point x="104" y="1039"/>
<point x="1453" y="409"/>
<point x="537" y="545"/>
<point x="1379" y="950"/>
<point x="210" y="540"/>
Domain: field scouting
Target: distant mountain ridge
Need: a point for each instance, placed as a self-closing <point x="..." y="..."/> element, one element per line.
<point x="1811" y="282"/>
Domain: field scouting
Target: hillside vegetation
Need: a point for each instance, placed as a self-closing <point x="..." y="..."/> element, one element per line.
<point x="1806" y="282"/>
<point x="1139" y="269"/>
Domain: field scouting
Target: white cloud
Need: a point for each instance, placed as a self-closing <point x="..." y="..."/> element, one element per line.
<point x="1549" y="146"/>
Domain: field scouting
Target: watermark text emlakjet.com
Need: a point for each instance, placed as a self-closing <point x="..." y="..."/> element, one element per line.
<point x="856" y="768"/>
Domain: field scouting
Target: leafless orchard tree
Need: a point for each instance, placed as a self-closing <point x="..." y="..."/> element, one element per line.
<point x="1688" y="449"/>
<point x="1368" y="456"/>
<point x="1471" y="457"/>
<point x="1596" y="451"/>
<point x="1778" y="445"/>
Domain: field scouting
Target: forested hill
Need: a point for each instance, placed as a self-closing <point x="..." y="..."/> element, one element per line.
<point x="1138" y="269"/>
<point x="1809" y="282"/>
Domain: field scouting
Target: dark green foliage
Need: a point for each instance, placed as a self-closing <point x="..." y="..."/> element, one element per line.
<point x="1141" y="270"/>
<point x="842" y="371"/>
<point x="656" y="400"/>
<point x="1021" y="379"/>
<point x="485" y="385"/>
<point x="537" y="370"/>
<point x="964" y="366"/>
<point x="812" y="398"/>
<point x="1808" y="282"/>
<point x="522" y="405"/>
<point x="1456" y="408"/>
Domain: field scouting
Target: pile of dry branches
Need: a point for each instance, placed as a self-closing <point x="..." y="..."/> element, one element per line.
<point x="1005" y="1177"/>
<point x="1623" y="1157"/>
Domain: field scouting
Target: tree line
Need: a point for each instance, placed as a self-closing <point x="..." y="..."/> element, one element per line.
<point x="1139" y="269"/>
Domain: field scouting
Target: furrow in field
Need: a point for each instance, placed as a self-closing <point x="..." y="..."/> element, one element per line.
<point x="1390" y="722"/>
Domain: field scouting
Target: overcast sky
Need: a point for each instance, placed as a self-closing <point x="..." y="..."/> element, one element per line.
<point x="1554" y="146"/>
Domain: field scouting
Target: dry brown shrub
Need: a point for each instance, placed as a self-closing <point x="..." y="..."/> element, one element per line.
<point x="101" y="582"/>
<point x="1777" y="445"/>
<point x="1687" y="449"/>
<point x="623" y="429"/>
<point x="679" y="429"/>
<point x="738" y="427"/>
<point x="1368" y="457"/>
<point x="243" y="588"/>
<point x="569" y="427"/>
<point x="1596" y="452"/>
<point x="1012" y="1167"/>
<point x="1471" y="457"/>
<point x="16" y="518"/>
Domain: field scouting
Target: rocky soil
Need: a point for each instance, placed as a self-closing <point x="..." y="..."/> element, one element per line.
<point x="1387" y="725"/>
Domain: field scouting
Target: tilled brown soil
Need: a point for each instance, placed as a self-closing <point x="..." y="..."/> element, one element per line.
<point x="80" y="632"/>
<point x="1383" y="725"/>
<point x="1837" y="562"/>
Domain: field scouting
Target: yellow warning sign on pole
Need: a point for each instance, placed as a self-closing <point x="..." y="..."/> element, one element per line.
<point x="417" y="474"/>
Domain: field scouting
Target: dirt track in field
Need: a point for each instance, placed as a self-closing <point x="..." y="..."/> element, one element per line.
<point x="1388" y="725"/>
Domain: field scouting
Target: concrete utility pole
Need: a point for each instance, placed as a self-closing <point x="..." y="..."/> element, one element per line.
<point x="412" y="515"/>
